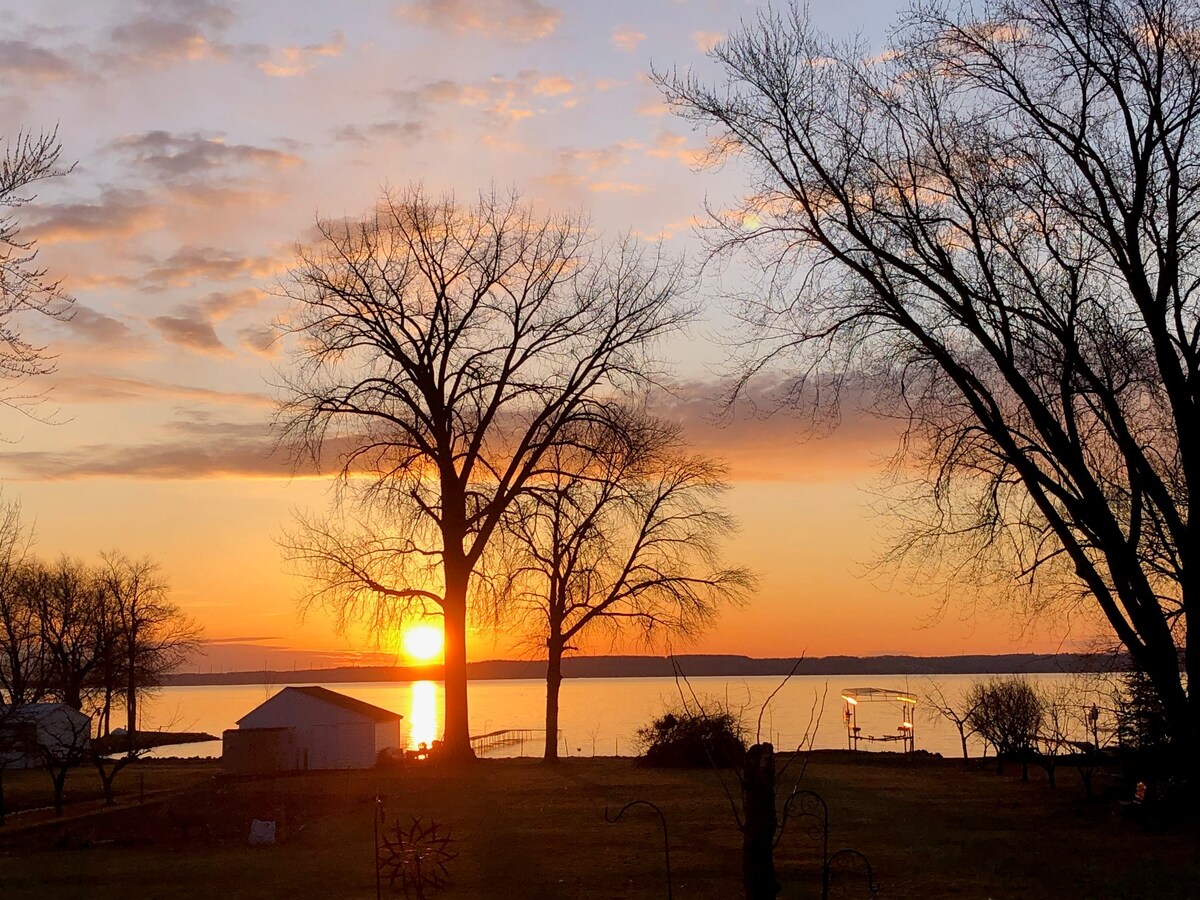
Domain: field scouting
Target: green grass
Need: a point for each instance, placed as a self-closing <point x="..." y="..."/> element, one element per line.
<point x="931" y="829"/>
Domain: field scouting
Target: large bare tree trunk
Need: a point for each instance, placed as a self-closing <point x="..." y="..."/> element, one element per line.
<point x="553" y="683"/>
<point x="457" y="736"/>
<point x="131" y="711"/>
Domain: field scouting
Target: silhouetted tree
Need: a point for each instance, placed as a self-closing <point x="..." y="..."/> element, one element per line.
<point x="620" y="528"/>
<point x="1008" y="714"/>
<point x="995" y="223"/>
<point x="24" y="287"/>
<point x="74" y="625"/>
<point x="152" y="637"/>
<point x="954" y="709"/>
<point x="440" y="351"/>
<point x="22" y="652"/>
<point x="22" y="662"/>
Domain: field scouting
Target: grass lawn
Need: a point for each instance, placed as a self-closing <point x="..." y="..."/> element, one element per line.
<point x="523" y="830"/>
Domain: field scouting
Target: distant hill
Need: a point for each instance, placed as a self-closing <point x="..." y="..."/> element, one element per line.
<point x="693" y="666"/>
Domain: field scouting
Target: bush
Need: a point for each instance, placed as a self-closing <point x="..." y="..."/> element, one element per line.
<point x="692" y="740"/>
<point x="1007" y="713"/>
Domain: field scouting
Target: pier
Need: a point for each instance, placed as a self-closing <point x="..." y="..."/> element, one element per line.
<point x="483" y="744"/>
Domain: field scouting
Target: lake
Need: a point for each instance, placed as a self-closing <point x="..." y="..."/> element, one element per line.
<point x="598" y="716"/>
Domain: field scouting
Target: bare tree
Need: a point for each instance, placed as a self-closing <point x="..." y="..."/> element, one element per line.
<point x="1008" y="714"/>
<point x="22" y="660"/>
<point x="1059" y="734"/>
<point x="995" y="223"/>
<point x="24" y="287"/>
<point x="152" y="636"/>
<point x="621" y="528"/>
<point x="955" y="709"/>
<point x="22" y="652"/>
<point x="441" y="349"/>
<point x="69" y="600"/>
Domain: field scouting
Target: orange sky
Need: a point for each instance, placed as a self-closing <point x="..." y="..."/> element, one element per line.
<point x="207" y="136"/>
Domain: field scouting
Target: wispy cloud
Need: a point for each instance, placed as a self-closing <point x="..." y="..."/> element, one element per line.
<point x="101" y="388"/>
<point x="22" y="60"/>
<point x="169" y="31"/>
<point x="668" y="145"/>
<point x="190" y="264"/>
<point x="191" y="331"/>
<point x="117" y="213"/>
<point x="512" y="20"/>
<point x="182" y="156"/>
<point x="288" y="62"/>
<point x="758" y="446"/>
<point x="503" y="101"/>
<point x="191" y="326"/>
<point x="404" y="132"/>
<point x="627" y="38"/>
<point x="228" y="454"/>
<point x="93" y="326"/>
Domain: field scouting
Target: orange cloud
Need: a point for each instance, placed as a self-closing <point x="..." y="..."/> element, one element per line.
<point x="292" y="61"/>
<point x="553" y="86"/>
<point x="25" y="61"/>
<point x="627" y="38"/>
<point x="617" y="187"/>
<point x="706" y="40"/>
<point x="190" y="331"/>
<point x="513" y="20"/>
<point x="119" y="214"/>
<point x="171" y="31"/>
<point x="760" y="446"/>
<point x="190" y="264"/>
<point x="99" y="388"/>
<point x="668" y="145"/>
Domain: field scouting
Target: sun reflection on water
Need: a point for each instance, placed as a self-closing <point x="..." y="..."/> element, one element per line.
<point x="423" y="725"/>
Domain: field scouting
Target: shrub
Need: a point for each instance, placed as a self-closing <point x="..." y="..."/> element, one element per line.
<point x="692" y="740"/>
<point x="1008" y="714"/>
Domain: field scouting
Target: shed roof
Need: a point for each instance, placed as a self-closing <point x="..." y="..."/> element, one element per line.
<point x="360" y="707"/>
<point x="32" y="712"/>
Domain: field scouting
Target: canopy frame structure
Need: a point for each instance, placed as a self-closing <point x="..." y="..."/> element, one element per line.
<point x="905" y="733"/>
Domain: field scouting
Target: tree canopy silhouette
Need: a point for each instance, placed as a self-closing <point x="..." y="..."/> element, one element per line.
<point x="995" y="224"/>
<point x="622" y="530"/>
<point x="24" y="286"/>
<point x="441" y="350"/>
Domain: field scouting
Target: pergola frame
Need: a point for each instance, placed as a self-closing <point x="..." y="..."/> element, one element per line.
<point x="852" y="697"/>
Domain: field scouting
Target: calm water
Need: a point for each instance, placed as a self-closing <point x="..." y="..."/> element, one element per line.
<point x="598" y="716"/>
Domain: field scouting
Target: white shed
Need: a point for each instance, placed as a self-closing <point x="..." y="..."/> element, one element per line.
<point x="324" y="729"/>
<point x="32" y="733"/>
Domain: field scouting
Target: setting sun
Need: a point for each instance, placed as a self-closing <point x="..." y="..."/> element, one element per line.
<point x="422" y="643"/>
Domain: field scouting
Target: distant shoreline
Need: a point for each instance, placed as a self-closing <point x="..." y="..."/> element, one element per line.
<point x="692" y="665"/>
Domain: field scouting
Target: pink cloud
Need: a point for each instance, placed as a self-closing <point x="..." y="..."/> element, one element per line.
<point x="288" y="62"/>
<point x="627" y="38"/>
<point x="514" y="20"/>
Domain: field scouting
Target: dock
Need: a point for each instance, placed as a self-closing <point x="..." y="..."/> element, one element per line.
<point x="483" y="744"/>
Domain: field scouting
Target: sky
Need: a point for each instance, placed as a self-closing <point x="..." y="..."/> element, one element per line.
<point x="207" y="137"/>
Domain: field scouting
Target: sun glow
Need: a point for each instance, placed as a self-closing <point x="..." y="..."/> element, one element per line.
<point x="422" y="643"/>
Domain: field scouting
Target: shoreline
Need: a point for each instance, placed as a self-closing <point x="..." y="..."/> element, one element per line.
<point x="693" y="666"/>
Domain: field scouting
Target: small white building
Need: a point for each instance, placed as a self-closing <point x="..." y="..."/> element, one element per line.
<point x="31" y="734"/>
<point x="310" y="728"/>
